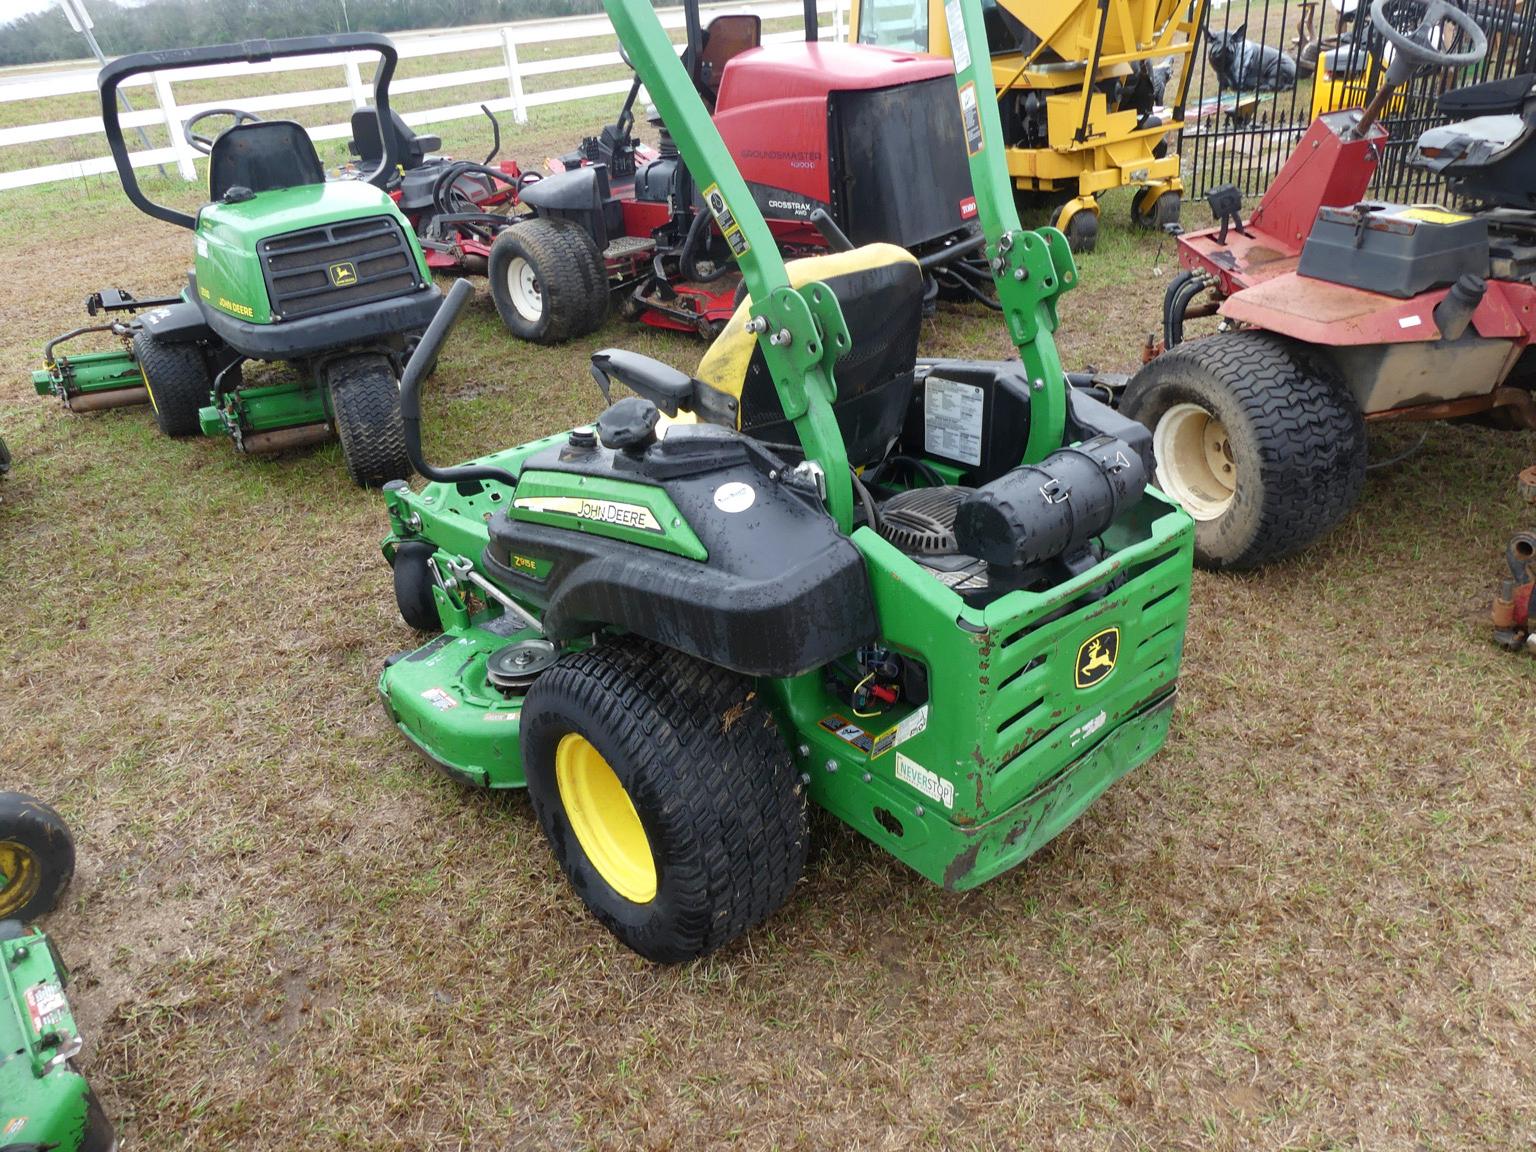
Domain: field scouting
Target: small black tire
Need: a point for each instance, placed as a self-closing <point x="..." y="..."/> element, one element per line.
<point x="413" y="586"/>
<point x="711" y="786"/>
<point x="1165" y="209"/>
<point x="548" y="280"/>
<point x="37" y="857"/>
<point x="1258" y="442"/>
<point x="1082" y="231"/>
<point x="365" y="407"/>
<point x="5" y="457"/>
<point x="177" y="380"/>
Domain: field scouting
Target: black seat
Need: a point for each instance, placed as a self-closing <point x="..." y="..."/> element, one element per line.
<point x="263" y="155"/>
<point x="1491" y="154"/>
<point x="410" y="149"/>
<point x="1490" y="98"/>
<point x="880" y="289"/>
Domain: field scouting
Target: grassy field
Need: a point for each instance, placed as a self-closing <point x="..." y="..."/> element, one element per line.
<point x="1305" y="924"/>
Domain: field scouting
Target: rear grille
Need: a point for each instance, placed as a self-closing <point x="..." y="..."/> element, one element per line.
<point x="337" y="266"/>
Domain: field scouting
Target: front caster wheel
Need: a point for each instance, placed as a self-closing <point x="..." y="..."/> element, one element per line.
<point x="413" y="585"/>
<point x="37" y="857"/>
<point x="667" y="794"/>
<point x="1264" y="450"/>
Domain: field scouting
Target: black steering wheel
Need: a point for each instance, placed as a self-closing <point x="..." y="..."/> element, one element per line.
<point x="204" y="144"/>
<point x="1418" y="45"/>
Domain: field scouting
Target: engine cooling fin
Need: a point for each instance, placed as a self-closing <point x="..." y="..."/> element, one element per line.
<point x="921" y="521"/>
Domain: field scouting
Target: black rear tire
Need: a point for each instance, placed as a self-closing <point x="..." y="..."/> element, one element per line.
<point x="37" y="857"/>
<point x="700" y="759"/>
<point x="413" y="586"/>
<point x="177" y="379"/>
<point x="365" y="405"/>
<point x="548" y="280"/>
<point x="1263" y="447"/>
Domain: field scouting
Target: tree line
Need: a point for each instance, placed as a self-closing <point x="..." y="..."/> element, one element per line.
<point x="155" y="24"/>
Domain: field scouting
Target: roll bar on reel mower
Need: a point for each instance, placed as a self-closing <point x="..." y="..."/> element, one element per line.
<point x="249" y="52"/>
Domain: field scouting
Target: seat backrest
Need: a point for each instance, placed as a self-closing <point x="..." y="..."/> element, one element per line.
<point x="880" y="289"/>
<point x="410" y="149"/>
<point x="263" y="155"/>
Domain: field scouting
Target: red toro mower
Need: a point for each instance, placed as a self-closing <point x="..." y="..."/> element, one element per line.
<point x="1337" y="310"/>
<point x="457" y="207"/>
<point x="834" y="140"/>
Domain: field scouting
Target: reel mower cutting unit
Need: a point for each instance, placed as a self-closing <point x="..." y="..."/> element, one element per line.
<point x="45" y="1103"/>
<point x="937" y="598"/>
<point x="325" y="275"/>
<point x="1337" y="310"/>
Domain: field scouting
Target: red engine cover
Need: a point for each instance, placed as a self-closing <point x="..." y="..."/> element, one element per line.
<point x="772" y="107"/>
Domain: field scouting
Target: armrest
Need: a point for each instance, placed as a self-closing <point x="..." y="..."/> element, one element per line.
<point x="662" y="384"/>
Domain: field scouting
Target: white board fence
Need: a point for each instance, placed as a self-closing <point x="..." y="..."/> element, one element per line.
<point x="353" y="91"/>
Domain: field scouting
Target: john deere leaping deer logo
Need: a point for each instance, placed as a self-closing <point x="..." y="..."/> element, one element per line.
<point x="1096" y="658"/>
<point x="343" y="275"/>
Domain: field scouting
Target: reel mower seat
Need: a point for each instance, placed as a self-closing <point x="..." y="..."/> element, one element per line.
<point x="410" y="149"/>
<point x="264" y="156"/>
<point x="1489" y="156"/>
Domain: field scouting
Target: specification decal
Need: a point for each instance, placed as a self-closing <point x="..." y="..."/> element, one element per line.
<point x="729" y="227"/>
<point x="959" y="46"/>
<point x="930" y="784"/>
<point x="952" y="415"/>
<point x="970" y="113"/>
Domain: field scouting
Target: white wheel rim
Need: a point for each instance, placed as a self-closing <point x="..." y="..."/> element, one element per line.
<point x="1194" y="461"/>
<point x="523" y="287"/>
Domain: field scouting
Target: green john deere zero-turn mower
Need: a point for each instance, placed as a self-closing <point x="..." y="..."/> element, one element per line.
<point x="44" y="1101"/>
<point x="325" y="275"/>
<point x="936" y="597"/>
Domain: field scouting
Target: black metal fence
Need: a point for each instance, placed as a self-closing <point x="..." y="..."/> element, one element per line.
<point x="1264" y="67"/>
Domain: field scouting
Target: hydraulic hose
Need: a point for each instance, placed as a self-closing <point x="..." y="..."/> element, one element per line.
<point x="685" y="261"/>
<point x="1176" y="301"/>
<point x="422" y="362"/>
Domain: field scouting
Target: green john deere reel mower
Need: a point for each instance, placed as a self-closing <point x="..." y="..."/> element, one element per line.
<point x="325" y="275"/>
<point x="45" y="1103"/>
<point x="935" y="597"/>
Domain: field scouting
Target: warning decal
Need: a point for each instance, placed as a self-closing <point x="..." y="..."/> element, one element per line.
<point x="730" y="228"/>
<point x="970" y="113"/>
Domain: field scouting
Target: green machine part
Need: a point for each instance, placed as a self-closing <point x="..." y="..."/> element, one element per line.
<point x="1030" y="268"/>
<point x="44" y="1102"/>
<point x="1034" y="704"/>
<point x="87" y="380"/>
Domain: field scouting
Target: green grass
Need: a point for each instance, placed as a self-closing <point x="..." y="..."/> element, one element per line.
<point x="1304" y="924"/>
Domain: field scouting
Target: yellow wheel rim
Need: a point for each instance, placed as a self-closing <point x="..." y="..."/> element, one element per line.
<point x="20" y="878"/>
<point x="604" y="819"/>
